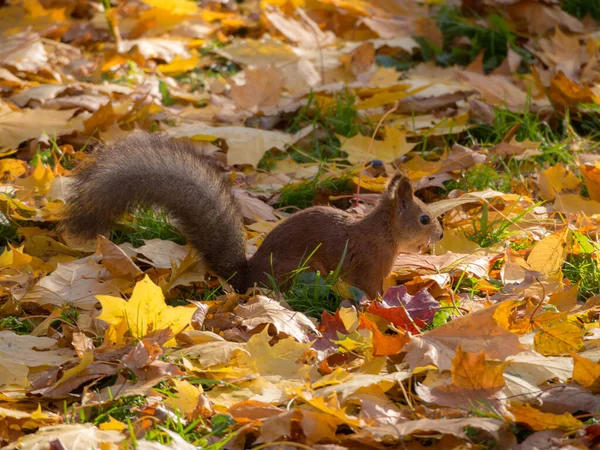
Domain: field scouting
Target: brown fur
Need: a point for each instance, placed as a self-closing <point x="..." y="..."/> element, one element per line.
<point x="153" y="170"/>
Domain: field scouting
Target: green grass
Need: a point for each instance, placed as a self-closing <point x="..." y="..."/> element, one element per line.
<point x="8" y="232"/>
<point x="144" y="225"/>
<point x="302" y="194"/>
<point x="199" y="432"/>
<point x="580" y="8"/>
<point x="311" y="292"/>
<point x="16" y="325"/>
<point x="493" y="40"/>
<point x="340" y="118"/>
<point x="481" y="177"/>
<point x="122" y="409"/>
<point x="553" y="141"/>
<point x="487" y="233"/>
<point x="68" y="315"/>
<point x="587" y="120"/>
<point x="584" y="268"/>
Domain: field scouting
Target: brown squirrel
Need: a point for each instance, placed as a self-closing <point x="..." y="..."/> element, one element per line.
<point x="148" y="169"/>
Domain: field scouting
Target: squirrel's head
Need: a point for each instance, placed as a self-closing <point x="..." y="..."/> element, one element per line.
<point x="414" y="226"/>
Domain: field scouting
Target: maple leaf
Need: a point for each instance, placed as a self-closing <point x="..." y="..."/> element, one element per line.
<point x="145" y="312"/>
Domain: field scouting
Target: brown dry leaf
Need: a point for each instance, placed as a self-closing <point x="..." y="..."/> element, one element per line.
<point x="116" y="260"/>
<point x="455" y="427"/>
<point x="564" y="300"/>
<point x="359" y="60"/>
<point x="19" y="353"/>
<point x="304" y="32"/>
<point x="39" y="94"/>
<point x="71" y="436"/>
<point x="23" y="51"/>
<point x="158" y="48"/>
<point x="17" y="126"/>
<point x="76" y="283"/>
<point x="190" y="269"/>
<point x="162" y="254"/>
<point x="576" y="204"/>
<point x="538" y="18"/>
<point x="518" y="150"/>
<point x="495" y="89"/>
<point x="253" y="209"/>
<point x="564" y="53"/>
<point x="461" y="158"/>
<point x="261" y="310"/>
<point x="245" y="145"/>
<point x="262" y="88"/>
<point x="474" y="333"/>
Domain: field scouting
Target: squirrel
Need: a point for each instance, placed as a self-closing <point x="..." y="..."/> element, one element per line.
<point x="154" y="170"/>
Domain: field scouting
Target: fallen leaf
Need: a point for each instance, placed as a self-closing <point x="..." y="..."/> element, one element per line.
<point x="17" y="126"/>
<point x="556" y="180"/>
<point x="548" y="254"/>
<point x="261" y="310"/>
<point x="586" y="373"/>
<point x="145" y="312"/>
<point x="262" y="88"/>
<point x="76" y="283"/>
<point x="591" y="175"/>
<point x="537" y="420"/>
<point x="393" y="146"/>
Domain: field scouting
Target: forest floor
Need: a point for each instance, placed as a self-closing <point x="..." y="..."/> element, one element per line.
<point x="487" y="340"/>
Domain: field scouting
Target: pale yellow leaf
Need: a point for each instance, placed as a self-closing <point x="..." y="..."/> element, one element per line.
<point x="548" y="254"/>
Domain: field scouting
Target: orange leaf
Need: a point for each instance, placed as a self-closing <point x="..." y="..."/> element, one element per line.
<point x="538" y="420"/>
<point x="384" y="344"/>
<point x="586" y="373"/>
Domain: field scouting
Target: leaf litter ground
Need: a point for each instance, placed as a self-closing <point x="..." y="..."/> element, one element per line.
<point x="487" y="341"/>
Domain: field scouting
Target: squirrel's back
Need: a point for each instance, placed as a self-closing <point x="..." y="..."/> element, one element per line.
<point x="152" y="170"/>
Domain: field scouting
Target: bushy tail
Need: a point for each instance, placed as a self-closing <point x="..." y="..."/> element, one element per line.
<point x="146" y="170"/>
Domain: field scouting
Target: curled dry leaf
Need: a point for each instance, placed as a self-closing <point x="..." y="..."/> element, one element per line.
<point x="261" y="310"/>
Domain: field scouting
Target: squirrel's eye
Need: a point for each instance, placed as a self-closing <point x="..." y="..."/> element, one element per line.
<point x="425" y="220"/>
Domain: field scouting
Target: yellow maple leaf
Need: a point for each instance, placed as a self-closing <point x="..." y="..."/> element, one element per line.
<point x="112" y="424"/>
<point x="393" y="146"/>
<point x="557" y="179"/>
<point x="586" y="373"/>
<point x="179" y="65"/>
<point x="548" y="255"/>
<point x="180" y="7"/>
<point x="39" y="181"/>
<point x="187" y="398"/>
<point x="282" y="359"/>
<point x="145" y="312"/>
<point x="559" y="338"/>
<point x="472" y="371"/>
<point x="538" y="420"/>
<point x="591" y="175"/>
<point x="12" y="168"/>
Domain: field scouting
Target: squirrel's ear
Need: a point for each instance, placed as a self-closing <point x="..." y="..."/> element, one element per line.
<point x="399" y="188"/>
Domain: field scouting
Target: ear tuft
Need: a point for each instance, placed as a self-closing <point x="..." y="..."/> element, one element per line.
<point x="399" y="188"/>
